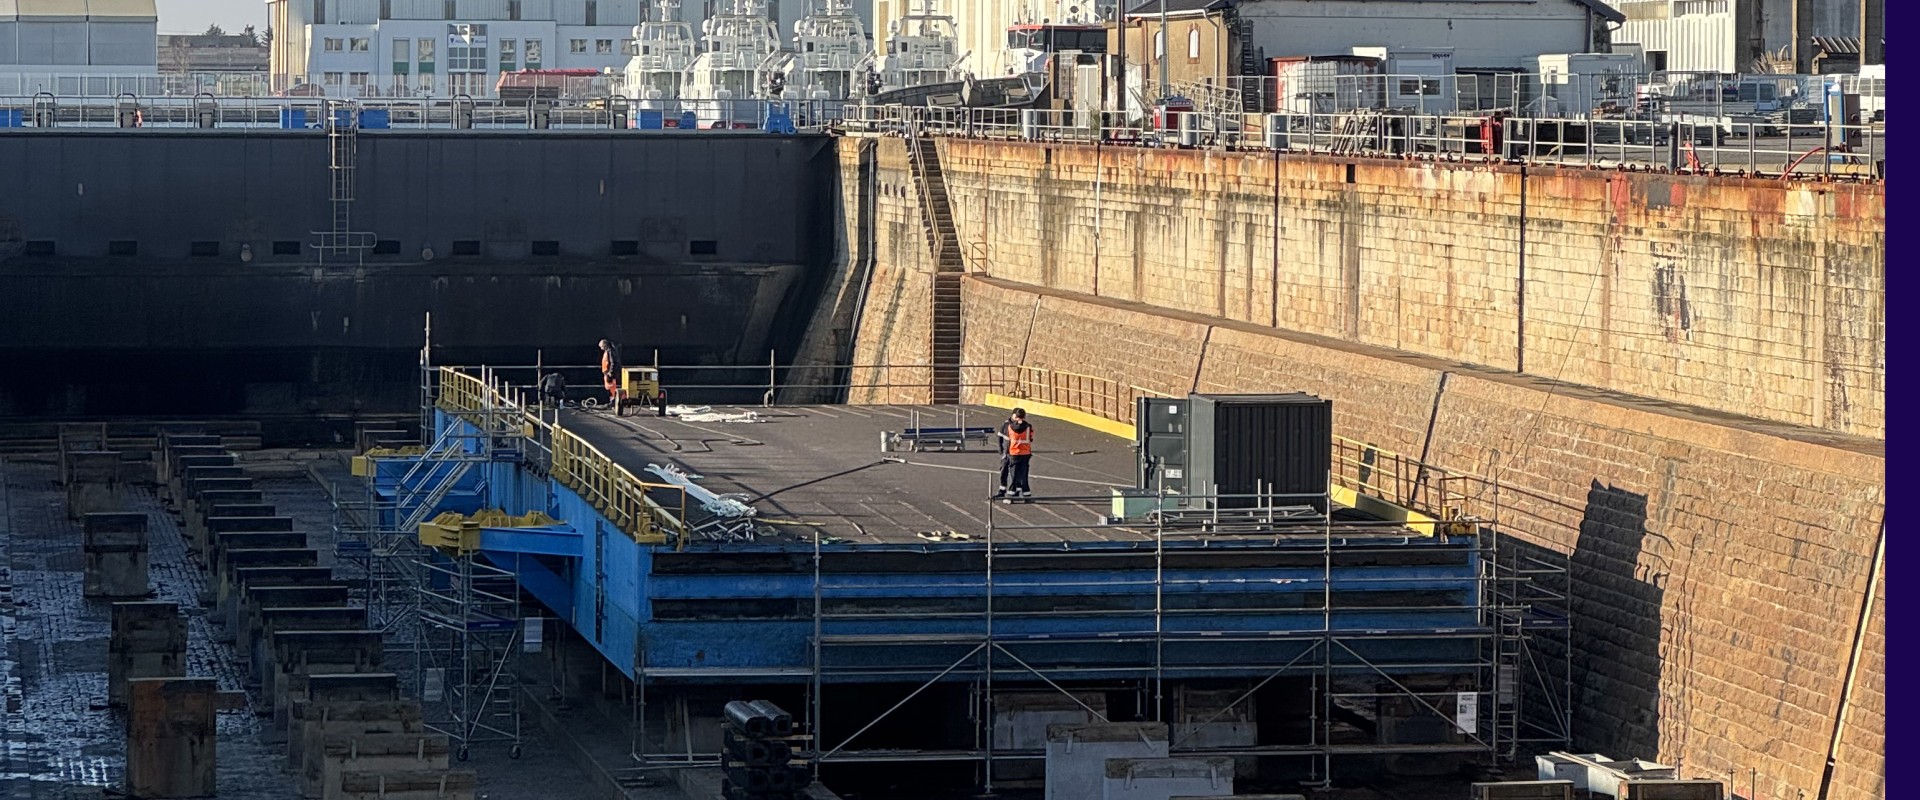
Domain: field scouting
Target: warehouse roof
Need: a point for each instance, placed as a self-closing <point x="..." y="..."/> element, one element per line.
<point x="80" y="10"/>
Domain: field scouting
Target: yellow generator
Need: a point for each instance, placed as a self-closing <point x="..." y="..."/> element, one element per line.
<point x="640" y="388"/>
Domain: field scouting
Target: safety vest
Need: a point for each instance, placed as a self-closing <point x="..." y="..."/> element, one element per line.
<point x="1019" y="443"/>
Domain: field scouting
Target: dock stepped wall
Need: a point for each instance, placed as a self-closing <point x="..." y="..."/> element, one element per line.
<point x="1723" y="564"/>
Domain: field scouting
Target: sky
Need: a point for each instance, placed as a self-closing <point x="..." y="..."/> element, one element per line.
<point x="193" y="16"/>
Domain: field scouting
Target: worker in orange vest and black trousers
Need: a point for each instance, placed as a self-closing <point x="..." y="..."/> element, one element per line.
<point x="1016" y="456"/>
<point x="610" y="373"/>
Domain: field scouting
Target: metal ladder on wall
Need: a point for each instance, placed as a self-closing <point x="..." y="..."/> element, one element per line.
<point x="339" y="242"/>
<point x="936" y="215"/>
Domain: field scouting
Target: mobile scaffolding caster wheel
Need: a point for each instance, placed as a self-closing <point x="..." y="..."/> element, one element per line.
<point x="514" y="752"/>
<point x="461" y="754"/>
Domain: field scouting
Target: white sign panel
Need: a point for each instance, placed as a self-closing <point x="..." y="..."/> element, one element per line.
<point x="1466" y="713"/>
<point x="530" y="634"/>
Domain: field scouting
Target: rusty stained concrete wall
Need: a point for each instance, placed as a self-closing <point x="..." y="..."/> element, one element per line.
<point x="1720" y="564"/>
<point x="1757" y="298"/>
<point x="1718" y="571"/>
<point x="892" y="337"/>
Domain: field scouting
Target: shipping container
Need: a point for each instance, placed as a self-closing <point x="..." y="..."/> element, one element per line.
<point x="1420" y="81"/>
<point x="1577" y="84"/>
<point x="1324" y="84"/>
<point x="1277" y="445"/>
<point x="1160" y="425"/>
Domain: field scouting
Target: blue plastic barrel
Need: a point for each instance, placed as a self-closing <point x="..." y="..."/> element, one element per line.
<point x="293" y="118"/>
<point x="689" y="122"/>
<point x="651" y="119"/>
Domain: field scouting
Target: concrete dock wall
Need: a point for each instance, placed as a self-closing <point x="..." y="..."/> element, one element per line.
<point x="175" y="271"/>
<point x="1759" y="298"/>
<point x="1722" y="566"/>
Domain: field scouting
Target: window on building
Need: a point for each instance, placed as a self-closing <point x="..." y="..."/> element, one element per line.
<point x="593" y="12"/>
<point x="509" y="56"/>
<point x="513" y="9"/>
<point x="576" y="45"/>
<point x="466" y="48"/>
<point x="330" y="78"/>
<point x="1193" y="44"/>
<point x="358" y="79"/>
<point x="426" y="55"/>
<point x="402" y="56"/>
<point x="533" y="54"/>
<point x="330" y="45"/>
<point x="605" y="47"/>
<point x="319" y="12"/>
<point x="425" y="83"/>
<point x="447" y="11"/>
<point x="386" y="9"/>
<point x="357" y="44"/>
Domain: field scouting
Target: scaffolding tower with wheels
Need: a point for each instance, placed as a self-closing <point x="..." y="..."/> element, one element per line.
<point x="466" y="651"/>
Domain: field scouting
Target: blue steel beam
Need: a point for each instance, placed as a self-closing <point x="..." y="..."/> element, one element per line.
<point x="554" y="540"/>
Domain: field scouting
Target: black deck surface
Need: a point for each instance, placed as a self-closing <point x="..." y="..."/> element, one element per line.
<point x="823" y="466"/>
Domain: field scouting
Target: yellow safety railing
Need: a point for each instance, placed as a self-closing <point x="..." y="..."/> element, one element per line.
<point x="610" y="488"/>
<point x="1088" y="394"/>
<point x="1358" y="467"/>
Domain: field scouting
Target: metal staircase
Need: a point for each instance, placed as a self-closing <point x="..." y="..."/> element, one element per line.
<point x="936" y="216"/>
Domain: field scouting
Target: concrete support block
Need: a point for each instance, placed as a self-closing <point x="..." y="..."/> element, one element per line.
<point x="250" y="600"/>
<point x="196" y="524"/>
<point x="245" y="577"/>
<point x="235" y="560"/>
<point x="199" y="479"/>
<point x="1167" y="778"/>
<point x="311" y="722"/>
<point x="300" y="654"/>
<point x="274" y="620"/>
<point x="369" y="753"/>
<point x="171" y="737"/>
<point x="148" y="640"/>
<point x="1077" y="755"/>
<point x="172" y="443"/>
<point x="93" y="484"/>
<point x="429" y="784"/>
<point x="114" y="547"/>
<point x="180" y="458"/>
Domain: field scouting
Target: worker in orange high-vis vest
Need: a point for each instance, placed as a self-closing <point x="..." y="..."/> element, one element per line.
<point x="1016" y="456"/>
<point x="610" y="373"/>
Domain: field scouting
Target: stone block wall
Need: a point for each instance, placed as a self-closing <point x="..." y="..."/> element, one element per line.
<point x="1718" y="572"/>
<point x="1752" y="297"/>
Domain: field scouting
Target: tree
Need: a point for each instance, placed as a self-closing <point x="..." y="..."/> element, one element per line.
<point x="266" y="37"/>
<point x="215" y="30"/>
<point x="251" y="34"/>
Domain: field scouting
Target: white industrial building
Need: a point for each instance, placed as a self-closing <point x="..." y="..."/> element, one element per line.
<point x="71" y="47"/>
<point x="441" y="47"/>
<point x="412" y="48"/>
<point x="1731" y="36"/>
<point x="1481" y="34"/>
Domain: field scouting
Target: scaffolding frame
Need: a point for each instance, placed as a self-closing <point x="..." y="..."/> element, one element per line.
<point x="1507" y="602"/>
<point x="466" y="652"/>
